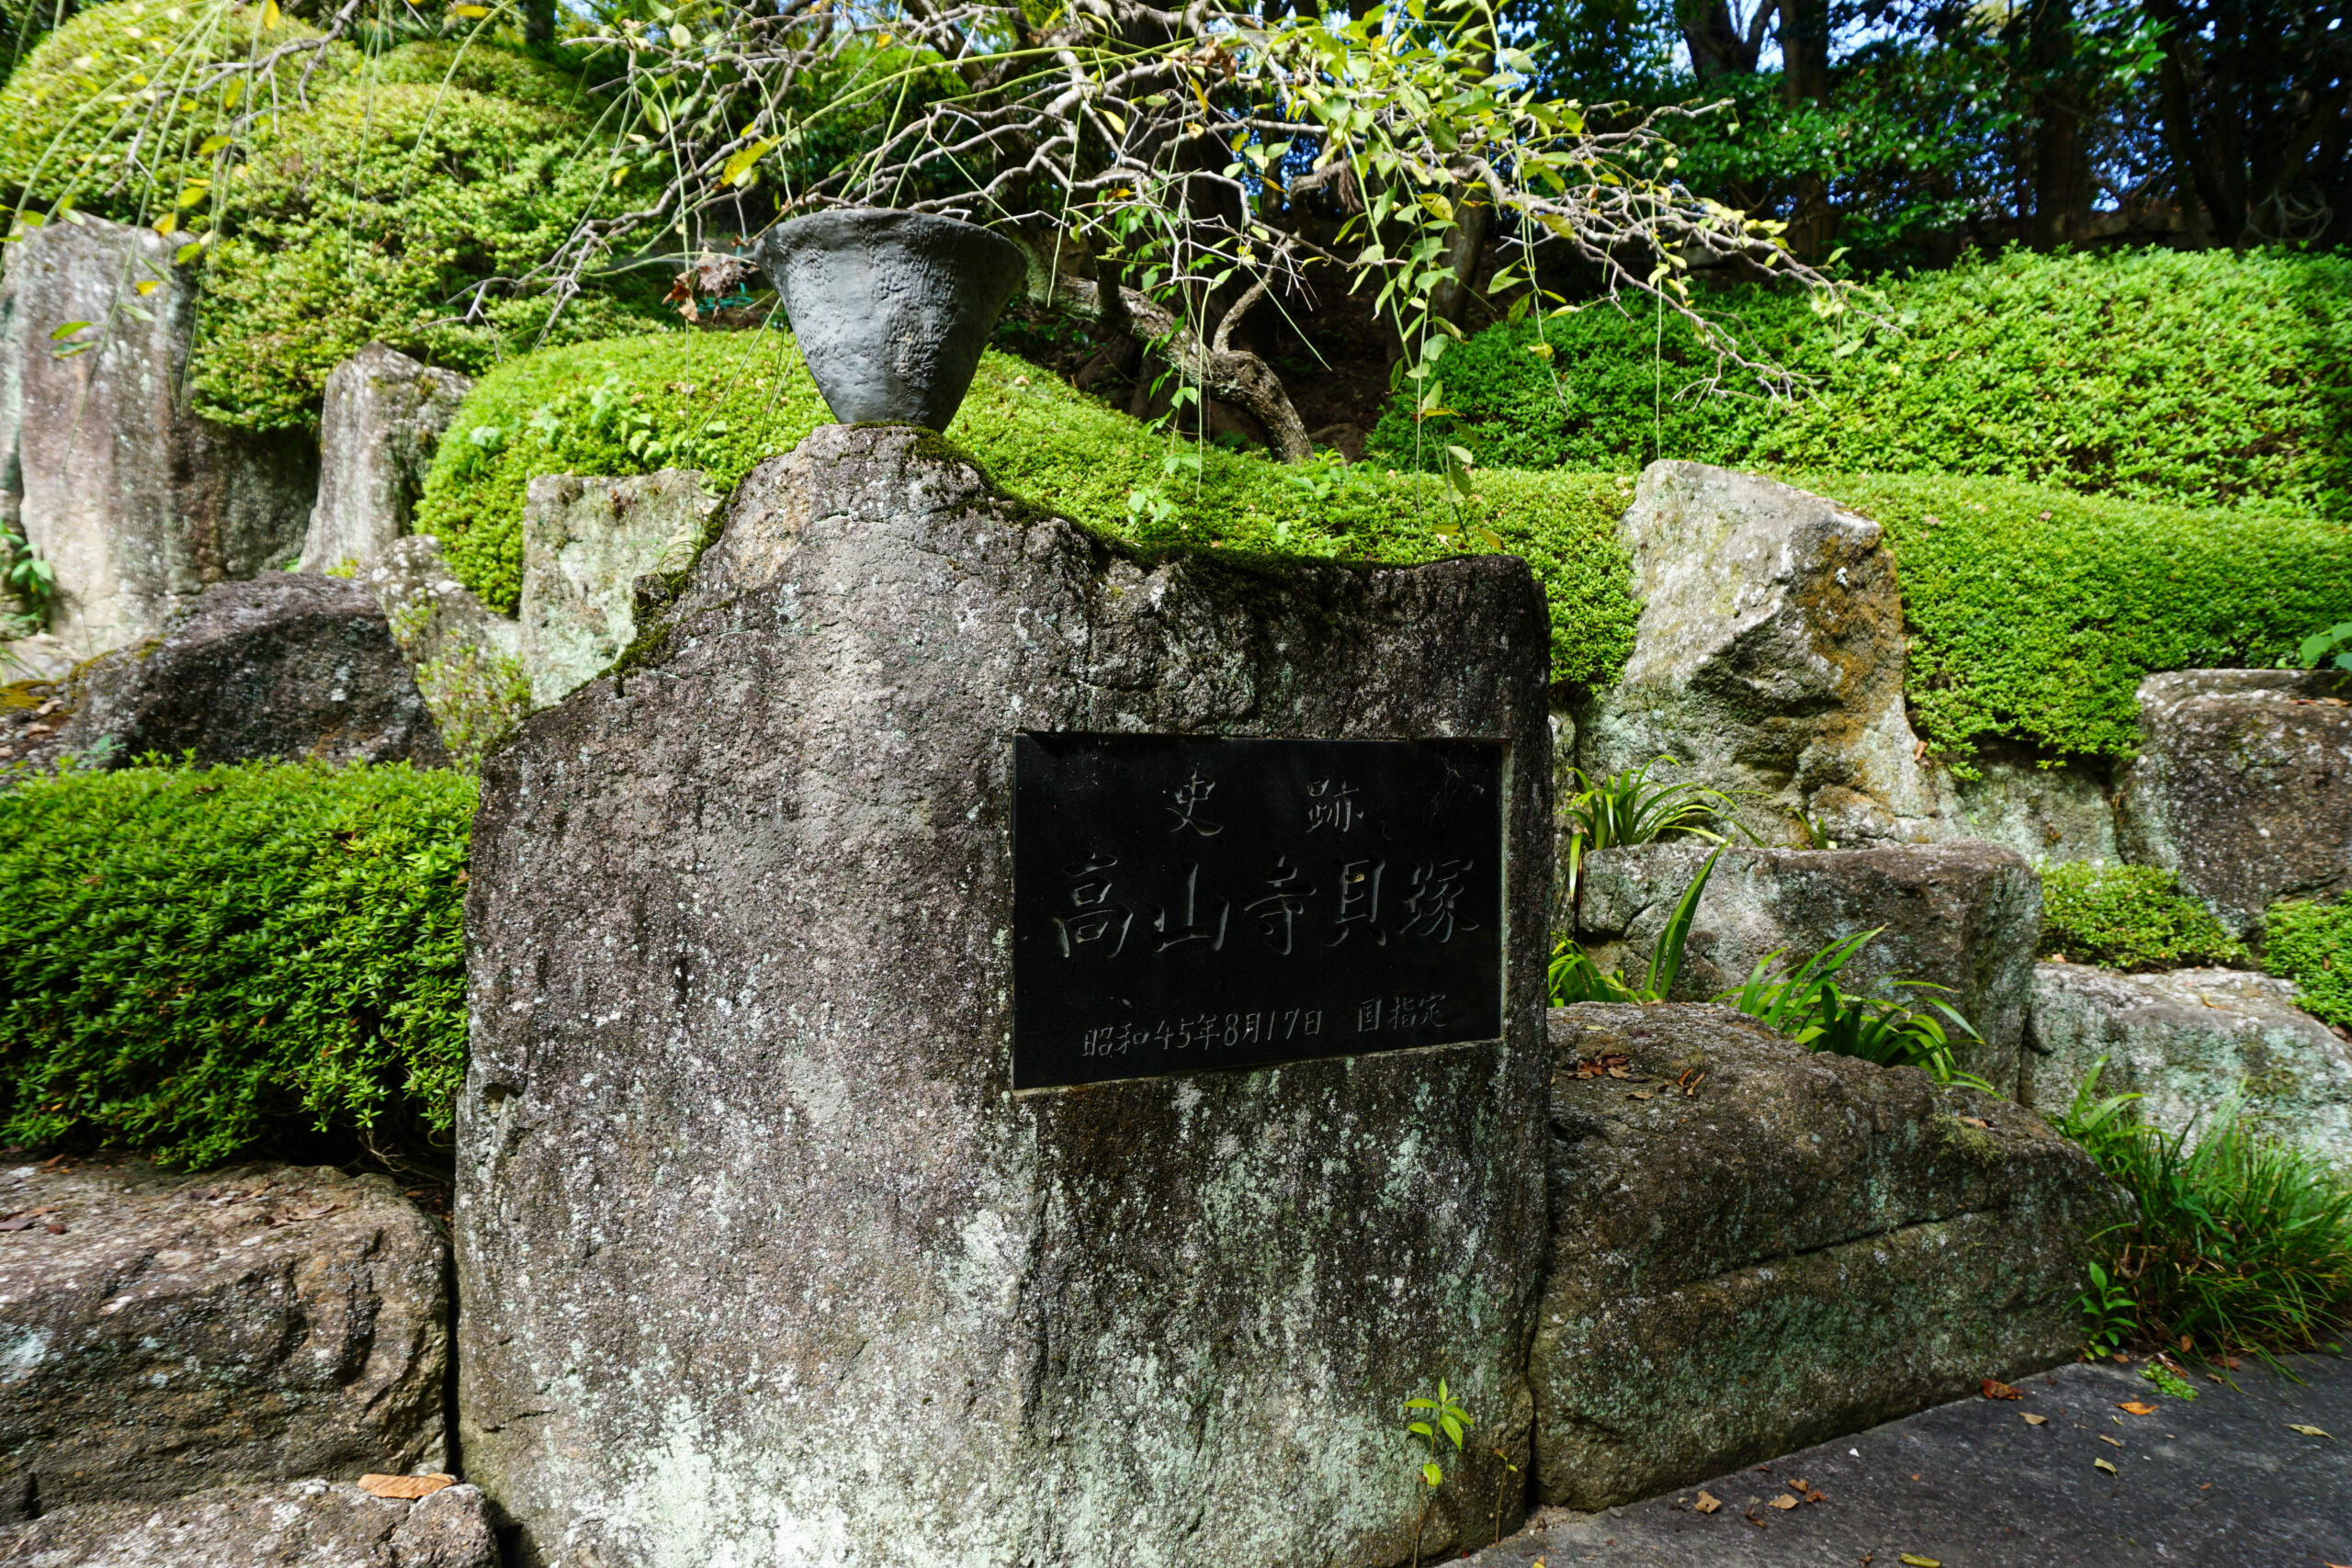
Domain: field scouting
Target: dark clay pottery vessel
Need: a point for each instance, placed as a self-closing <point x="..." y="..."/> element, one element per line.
<point x="892" y="310"/>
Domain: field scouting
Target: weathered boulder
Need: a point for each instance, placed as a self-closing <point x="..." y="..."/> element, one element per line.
<point x="381" y="422"/>
<point x="1769" y="656"/>
<point x="467" y="658"/>
<point x="305" y="1524"/>
<point x="585" y="543"/>
<point x="1755" y="1247"/>
<point x="283" y="666"/>
<point x="2242" y="784"/>
<point x="167" y="1333"/>
<point x="2046" y="810"/>
<point x="1964" y="916"/>
<point x="2184" y="1039"/>
<point x="762" y="1258"/>
<point x="136" y="502"/>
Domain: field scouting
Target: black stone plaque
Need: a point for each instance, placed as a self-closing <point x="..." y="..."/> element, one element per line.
<point x="1183" y="902"/>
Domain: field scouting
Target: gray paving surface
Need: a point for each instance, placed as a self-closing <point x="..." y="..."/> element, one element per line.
<point x="2222" y="1482"/>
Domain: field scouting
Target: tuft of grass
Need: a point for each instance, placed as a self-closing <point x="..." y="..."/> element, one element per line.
<point x="2243" y="1239"/>
<point x="202" y="963"/>
<point x="2311" y="944"/>
<point x="2130" y="917"/>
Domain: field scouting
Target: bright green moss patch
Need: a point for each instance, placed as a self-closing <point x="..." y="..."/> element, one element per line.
<point x="2189" y="380"/>
<point x="723" y="402"/>
<point x="2035" y="612"/>
<point x="2311" y="945"/>
<point x="2130" y="917"/>
<point x="201" y="963"/>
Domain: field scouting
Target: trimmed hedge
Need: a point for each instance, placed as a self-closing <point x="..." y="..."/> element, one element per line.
<point x="2185" y="379"/>
<point x="722" y="401"/>
<point x="2034" y="612"/>
<point x="2130" y="917"/>
<point x="2311" y="945"/>
<point x="362" y="210"/>
<point x="201" y="963"/>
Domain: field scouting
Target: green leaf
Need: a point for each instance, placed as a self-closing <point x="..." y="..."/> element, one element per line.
<point x="1432" y="1473"/>
<point x="66" y="331"/>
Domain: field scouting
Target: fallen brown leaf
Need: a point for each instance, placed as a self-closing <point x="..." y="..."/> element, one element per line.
<point x="1783" y="1501"/>
<point x="1639" y="1094"/>
<point x="2033" y="1420"/>
<point x="1976" y="1122"/>
<point x="2133" y="1407"/>
<point x="1995" y="1389"/>
<point x="410" y="1486"/>
<point x="1707" y="1504"/>
<point x="2104" y="1438"/>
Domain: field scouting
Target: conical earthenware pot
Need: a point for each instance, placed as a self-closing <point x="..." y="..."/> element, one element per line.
<point x="891" y="308"/>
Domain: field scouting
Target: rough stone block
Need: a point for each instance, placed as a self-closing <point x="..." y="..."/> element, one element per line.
<point x="305" y="1524"/>
<point x="284" y="666"/>
<point x="136" y="502"/>
<point x="1769" y="656"/>
<point x="2243" y="785"/>
<point x="165" y="1333"/>
<point x="764" y="1259"/>
<point x="2184" y="1039"/>
<point x="382" y="419"/>
<point x="585" y="543"/>
<point x="1964" y="916"/>
<point x="467" y="658"/>
<point x="1755" y="1247"/>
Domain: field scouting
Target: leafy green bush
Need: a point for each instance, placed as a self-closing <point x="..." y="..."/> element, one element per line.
<point x="2130" y="917"/>
<point x="2240" y="1241"/>
<point x="2311" y="945"/>
<point x="2188" y="378"/>
<point x="362" y="210"/>
<point x="2034" y="613"/>
<point x="723" y="402"/>
<point x="362" y="219"/>
<point x="201" y="963"/>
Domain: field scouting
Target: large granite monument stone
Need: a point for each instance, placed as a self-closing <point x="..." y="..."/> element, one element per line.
<point x="769" y="1257"/>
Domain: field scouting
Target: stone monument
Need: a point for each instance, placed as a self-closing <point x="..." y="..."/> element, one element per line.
<point x="990" y="1050"/>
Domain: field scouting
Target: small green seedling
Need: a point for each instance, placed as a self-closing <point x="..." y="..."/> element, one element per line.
<point x="1441" y="1416"/>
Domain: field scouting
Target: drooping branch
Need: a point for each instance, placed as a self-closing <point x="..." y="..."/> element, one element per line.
<point x="1220" y="370"/>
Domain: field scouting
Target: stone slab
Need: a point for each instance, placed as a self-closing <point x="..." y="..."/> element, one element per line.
<point x="2243" y="785"/>
<point x="765" y="1260"/>
<point x="1755" y="1246"/>
<point x="304" y="1524"/>
<point x="164" y="1334"/>
<point x="1964" y="915"/>
<point x="2186" y="1039"/>
<point x="2222" y="1482"/>
<point x="585" y="543"/>
<point x="379" y="428"/>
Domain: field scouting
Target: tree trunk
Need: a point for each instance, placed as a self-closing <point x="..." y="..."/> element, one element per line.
<point x="2062" y="174"/>
<point x="1465" y="244"/>
<point x="1805" y="58"/>
<point x="1718" y="48"/>
<point x="538" y="21"/>
<point x="1234" y="374"/>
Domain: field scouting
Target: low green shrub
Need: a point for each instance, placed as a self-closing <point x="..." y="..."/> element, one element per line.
<point x="2034" y="613"/>
<point x="2311" y="944"/>
<point x="2130" y="917"/>
<point x="722" y="402"/>
<point x="2188" y="378"/>
<point x="201" y="963"/>
<point x="362" y="210"/>
<point x="2240" y="1240"/>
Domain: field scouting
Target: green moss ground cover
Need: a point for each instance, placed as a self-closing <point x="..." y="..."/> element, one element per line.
<point x="2198" y="380"/>
<point x="723" y="402"/>
<point x="204" y="961"/>
<point x="2034" y="612"/>
<point x="2310" y="943"/>
<point x="2130" y="917"/>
